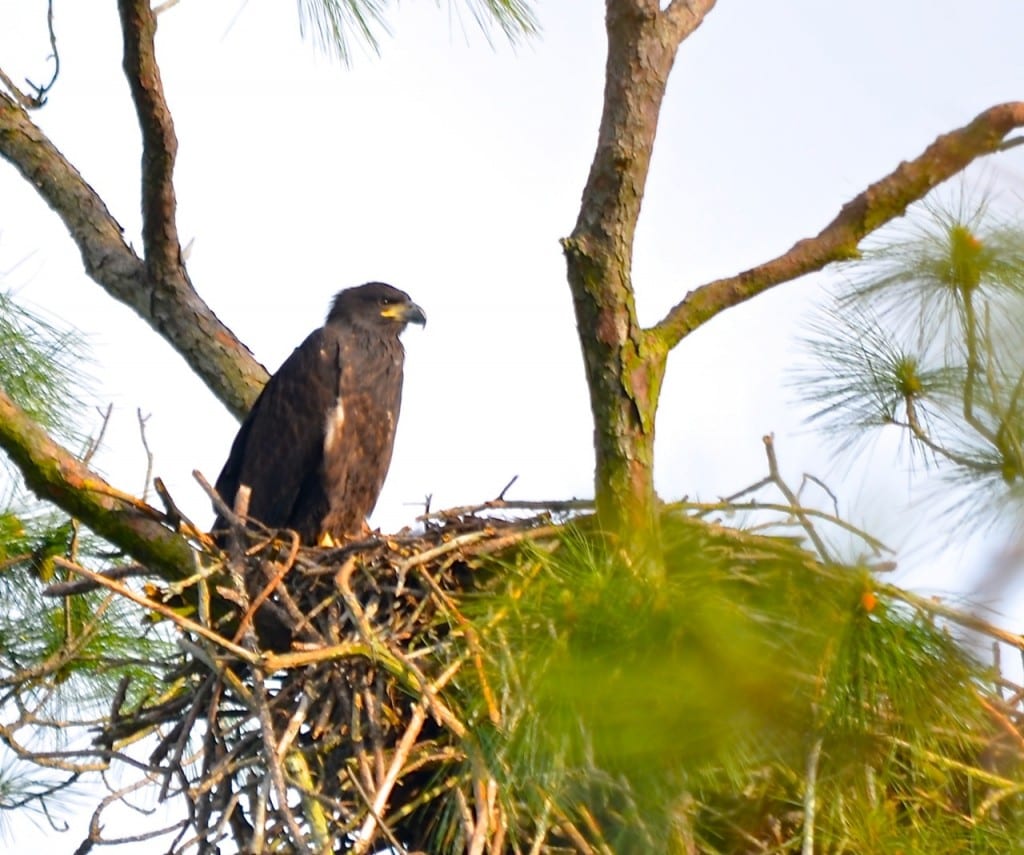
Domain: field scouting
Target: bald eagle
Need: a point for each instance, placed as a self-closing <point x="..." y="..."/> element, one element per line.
<point x="316" y="446"/>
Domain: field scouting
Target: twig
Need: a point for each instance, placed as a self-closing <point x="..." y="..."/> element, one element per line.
<point x="82" y="586"/>
<point x="149" y="454"/>
<point x="271" y="757"/>
<point x="506" y="488"/>
<point x="810" y="796"/>
<point x="93" y="444"/>
<point x="177" y="519"/>
<point x="502" y="504"/>
<point x="729" y="506"/>
<point x="39" y="99"/>
<point x="167" y="612"/>
<point x="439" y="709"/>
<point x="364" y="797"/>
<point x="472" y="639"/>
<point x="272" y="585"/>
<point x="794" y="507"/>
<point x="827" y="490"/>
<point x="380" y="800"/>
<point x="965" y="619"/>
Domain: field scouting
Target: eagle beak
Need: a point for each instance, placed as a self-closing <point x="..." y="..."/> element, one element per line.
<point x="407" y="313"/>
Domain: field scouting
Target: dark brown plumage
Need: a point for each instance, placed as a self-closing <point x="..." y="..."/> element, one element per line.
<point x="316" y="446"/>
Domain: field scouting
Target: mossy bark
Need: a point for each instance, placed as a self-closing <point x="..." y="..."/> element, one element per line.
<point x="624" y="363"/>
<point x="55" y="475"/>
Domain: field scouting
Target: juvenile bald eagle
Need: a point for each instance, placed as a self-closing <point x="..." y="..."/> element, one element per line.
<point x="316" y="446"/>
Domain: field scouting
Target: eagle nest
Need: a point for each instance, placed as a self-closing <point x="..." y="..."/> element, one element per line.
<point x="331" y="673"/>
<point x="399" y="694"/>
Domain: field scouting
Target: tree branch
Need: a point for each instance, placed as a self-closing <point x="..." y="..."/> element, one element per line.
<point x="174" y="310"/>
<point x="686" y="15"/>
<point x="55" y="475"/>
<point x="99" y="236"/>
<point x="159" y="143"/>
<point x="881" y="202"/>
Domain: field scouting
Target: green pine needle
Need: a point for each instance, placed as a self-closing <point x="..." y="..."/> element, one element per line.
<point x="687" y="707"/>
<point x="334" y="24"/>
<point x="40" y="367"/>
<point x="927" y="336"/>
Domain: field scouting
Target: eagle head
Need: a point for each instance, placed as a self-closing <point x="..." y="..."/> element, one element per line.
<point x="375" y="304"/>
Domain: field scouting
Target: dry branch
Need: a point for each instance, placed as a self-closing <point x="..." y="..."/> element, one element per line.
<point x="362" y="726"/>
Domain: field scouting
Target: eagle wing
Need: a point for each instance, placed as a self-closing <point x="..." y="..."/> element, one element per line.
<point x="359" y="443"/>
<point x="279" y="449"/>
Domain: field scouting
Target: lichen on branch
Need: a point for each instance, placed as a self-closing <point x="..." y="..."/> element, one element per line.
<point x="55" y="475"/>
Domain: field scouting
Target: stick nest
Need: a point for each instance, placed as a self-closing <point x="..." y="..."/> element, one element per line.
<point x="352" y="699"/>
<point x="318" y="696"/>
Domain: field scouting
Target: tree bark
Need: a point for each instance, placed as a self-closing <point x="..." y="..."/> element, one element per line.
<point x="156" y="287"/>
<point x="624" y="363"/>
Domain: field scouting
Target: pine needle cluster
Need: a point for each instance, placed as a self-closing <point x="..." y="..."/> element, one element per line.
<point x="61" y="661"/>
<point x="754" y="700"/>
<point x="335" y="24"/>
<point x="926" y="336"/>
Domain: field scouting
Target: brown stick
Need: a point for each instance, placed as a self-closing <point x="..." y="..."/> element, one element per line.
<point x="169" y="613"/>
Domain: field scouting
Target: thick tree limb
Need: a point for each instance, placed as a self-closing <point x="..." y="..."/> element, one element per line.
<point x="55" y="475"/>
<point x="174" y="310"/>
<point x="100" y="238"/>
<point x="881" y="202"/>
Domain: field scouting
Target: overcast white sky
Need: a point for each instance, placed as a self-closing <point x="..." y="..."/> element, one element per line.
<point x="451" y="168"/>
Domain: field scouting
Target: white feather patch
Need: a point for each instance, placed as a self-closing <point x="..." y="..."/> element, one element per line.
<point x="333" y="427"/>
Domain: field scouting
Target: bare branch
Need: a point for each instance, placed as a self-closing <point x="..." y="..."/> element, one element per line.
<point x="42" y="90"/>
<point x="105" y="581"/>
<point x="881" y="202"/>
<point x="38" y="99"/>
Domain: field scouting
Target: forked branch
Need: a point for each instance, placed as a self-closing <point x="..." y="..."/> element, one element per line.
<point x="156" y="288"/>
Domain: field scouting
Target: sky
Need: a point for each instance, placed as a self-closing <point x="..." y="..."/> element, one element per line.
<point x="450" y="167"/>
